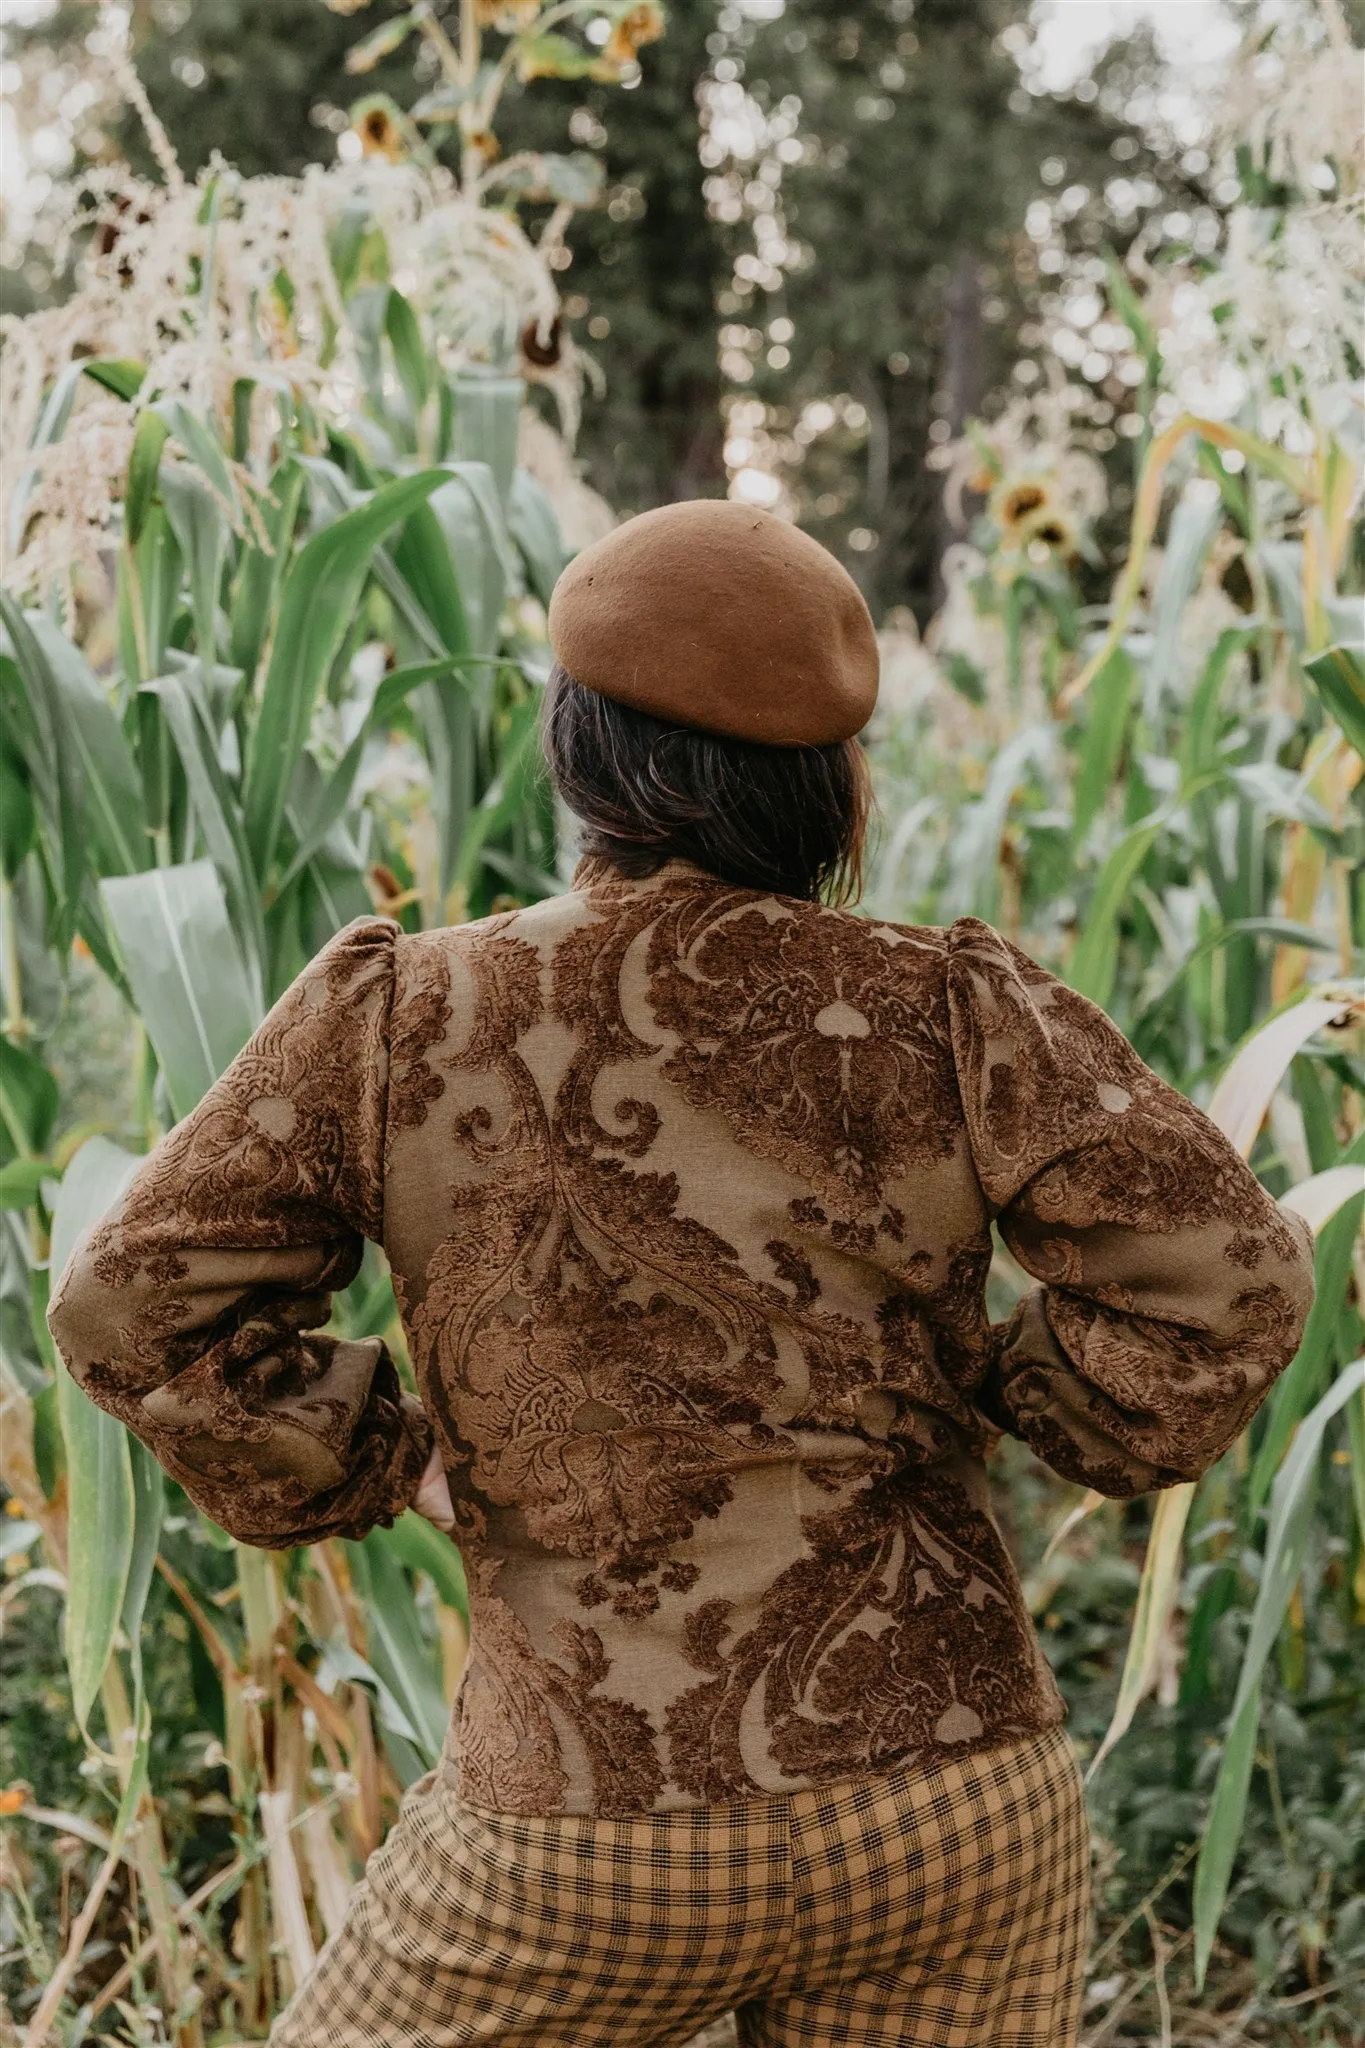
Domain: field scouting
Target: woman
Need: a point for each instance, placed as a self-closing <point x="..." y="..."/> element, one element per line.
<point x="686" y="1180"/>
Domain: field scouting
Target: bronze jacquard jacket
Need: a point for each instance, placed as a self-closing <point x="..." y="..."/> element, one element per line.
<point x="687" y="1191"/>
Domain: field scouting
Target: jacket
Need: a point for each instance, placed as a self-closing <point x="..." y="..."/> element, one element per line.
<point x="687" y="1193"/>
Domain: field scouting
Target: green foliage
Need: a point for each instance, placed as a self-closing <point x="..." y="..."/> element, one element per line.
<point x="200" y="817"/>
<point x="1163" y="795"/>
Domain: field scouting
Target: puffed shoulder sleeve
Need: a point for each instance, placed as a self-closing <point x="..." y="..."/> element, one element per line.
<point x="189" y="1311"/>
<point x="1174" y="1289"/>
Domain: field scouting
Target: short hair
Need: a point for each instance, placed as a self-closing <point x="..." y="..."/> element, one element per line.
<point x="788" y="819"/>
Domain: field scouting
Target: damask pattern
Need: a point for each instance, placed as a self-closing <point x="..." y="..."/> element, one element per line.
<point x="186" y="1312"/>
<point x="687" y="1193"/>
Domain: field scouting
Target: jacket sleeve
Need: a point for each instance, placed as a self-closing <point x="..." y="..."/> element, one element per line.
<point x="187" y="1312"/>
<point x="1174" y="1289"/>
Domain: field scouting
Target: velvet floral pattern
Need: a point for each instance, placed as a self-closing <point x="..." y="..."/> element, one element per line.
<point x="687" y="1192"/>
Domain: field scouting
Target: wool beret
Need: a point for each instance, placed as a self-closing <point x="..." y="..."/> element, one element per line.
<point x="717" y="615"/>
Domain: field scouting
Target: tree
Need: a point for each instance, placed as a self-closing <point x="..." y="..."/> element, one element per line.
<point x="888" y="150"/>
<point x="903" y="173"/>
<point x="647" y="267"/>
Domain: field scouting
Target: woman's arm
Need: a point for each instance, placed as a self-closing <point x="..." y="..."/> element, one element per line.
<point x="1174" y="1288"/>
<point x="187" y="1311"/>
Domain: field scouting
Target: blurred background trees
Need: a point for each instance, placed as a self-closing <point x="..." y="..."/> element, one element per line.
<point x="815" y="211"/>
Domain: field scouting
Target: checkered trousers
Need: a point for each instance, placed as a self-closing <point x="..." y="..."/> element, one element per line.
<point x="942" y="1908"/>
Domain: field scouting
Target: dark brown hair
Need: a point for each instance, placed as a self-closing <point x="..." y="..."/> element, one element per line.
<point x="789" y="819"/>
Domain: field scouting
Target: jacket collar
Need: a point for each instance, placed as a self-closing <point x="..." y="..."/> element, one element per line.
<point x="594" y="872"/>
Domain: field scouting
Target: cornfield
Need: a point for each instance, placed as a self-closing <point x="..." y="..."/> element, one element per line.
<point x="276" y="564"/>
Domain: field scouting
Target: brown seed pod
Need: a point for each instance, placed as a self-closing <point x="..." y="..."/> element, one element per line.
<point x="544" y="354"/>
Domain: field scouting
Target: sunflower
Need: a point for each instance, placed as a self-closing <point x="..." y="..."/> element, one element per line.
<point x="1051" y="527"/>
<point x="1018" y="501"/>
<point x="380" y="135"/>
<point x="632" y="30"/>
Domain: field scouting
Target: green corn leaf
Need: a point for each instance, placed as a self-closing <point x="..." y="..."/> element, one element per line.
<point x="1157" y="1589"/>
<point x="1133" y="314"/>
<point x="52" y="424"/>
<point x="21" y="1182"/>
<point x="320" y="592"/>
<point x="144" y="465"/>
<point x="18" y="818"/>
<point x="120" y="377"/>
<point x="312" y="833"/>
<point x="416" y="1544"/>
<point x="1338" y="675"/>
<point x="505" y="796"/>
<point x="452" y="564"/>
<point x="28" y="738"/>
<point x="399" y="684"/>
<point x="1287" y="1539"/>
<point x="434" y="575"/>
<point x="103" y="1503"/>
<point x="469" y="512"/>
<point x="69" y="801"/>
<point x="1282" y="794"/>
<point x="1248" y="1084"/>
<point x="110" y="786"/>
<point x="1223" y="1827"/>
<point x="332" y="494"/>
<point x="1355" y="1432"/>
<point x="1199" y="738"/>
<point x="186" y="971"/>
<point x="977" y="842"/>
<point x="149" y="585"/>
<point x="1301" y="1382"/>
<point x="1282" y="561"/>
<point x="1314" y="1098"/>
<point x="117" y="374"/>
<point x="1194" y="522"/>
<point x="1282" y="930"/>
<point x="339" y="1660"/>
<point x="409" y="351"/>
<point x="28" y="1099"/>
<point x="408" y="1664"/>
<point x="534" y="526"/>
<point x="333" y="894"/>
<point x="1094" y="963"/>
<point x="149" y="1508"/>
<point x="366" y="311"/>
<point x="487" y="423"/>
<point x="396" y="687"/>
<point x="255" y="595"/>
<point x="197" y="521"/>
<point x="203" y="449"/>
<point x="215" y="806"/>
<point x="1110" y="707"/>
<point x="1318" y="1198"/>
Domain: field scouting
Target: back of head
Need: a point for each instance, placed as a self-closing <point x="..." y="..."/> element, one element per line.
<point x="713" y="667"/>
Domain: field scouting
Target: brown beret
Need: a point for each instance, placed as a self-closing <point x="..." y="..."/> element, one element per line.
<point x="720" y="616"/>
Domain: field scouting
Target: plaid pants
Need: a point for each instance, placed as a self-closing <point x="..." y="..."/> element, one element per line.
<point x="940" y="1908"/>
